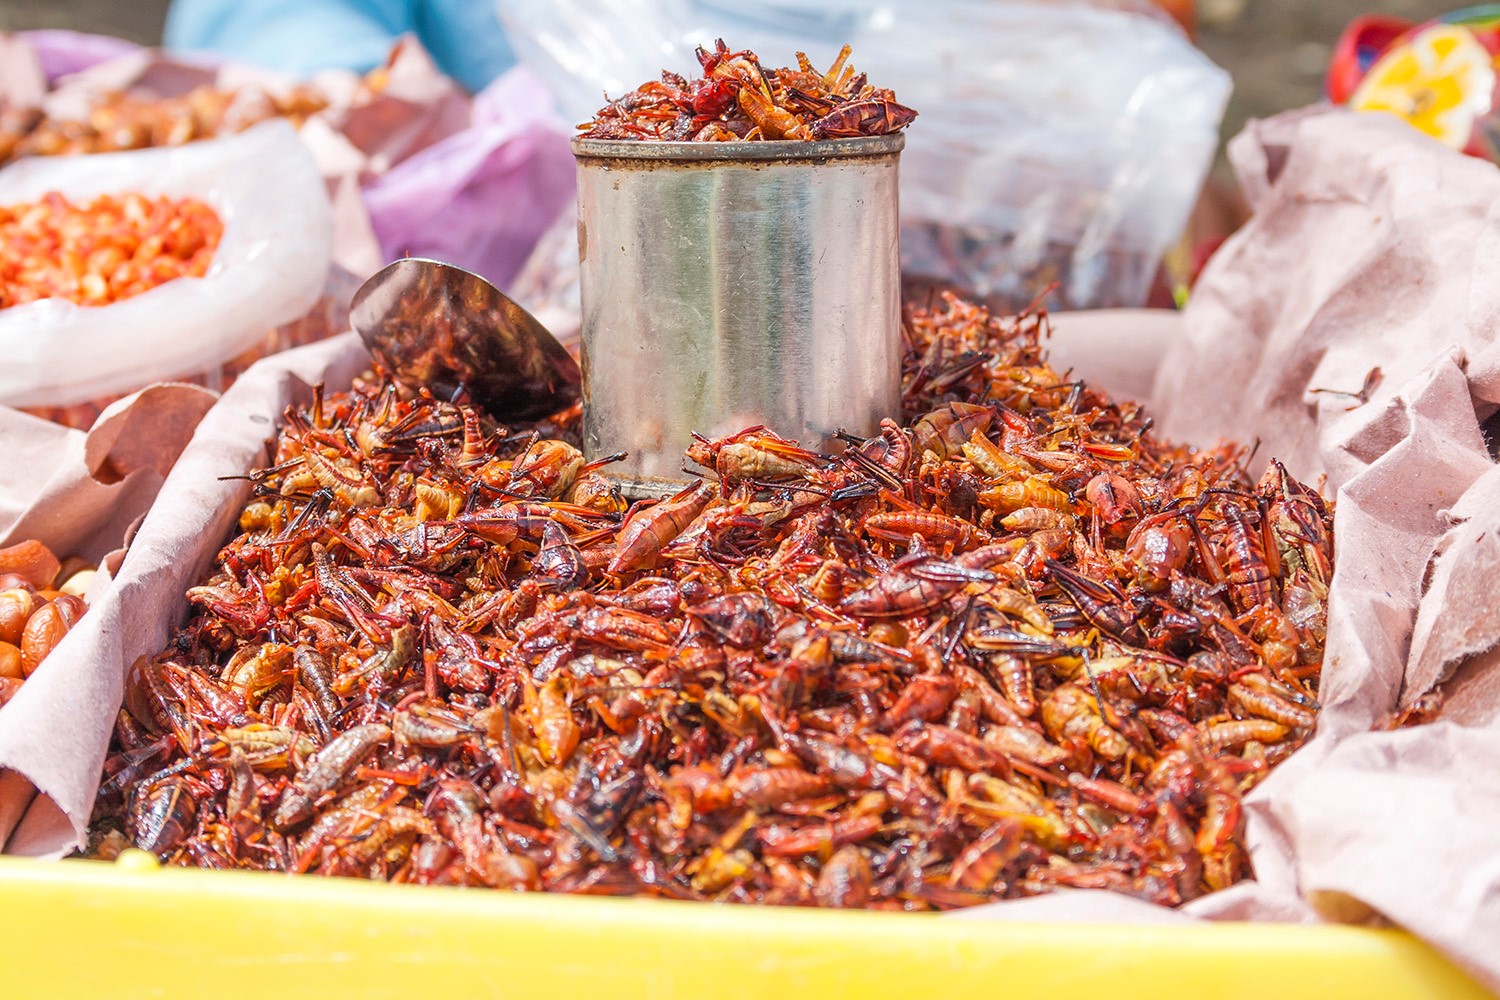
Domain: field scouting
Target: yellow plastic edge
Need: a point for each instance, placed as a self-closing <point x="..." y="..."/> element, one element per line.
<point x="88" y="929"/>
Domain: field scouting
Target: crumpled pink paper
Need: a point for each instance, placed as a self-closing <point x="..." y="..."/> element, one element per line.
<point x="55" y="732"/>
<point x="1351" y="327"/>
<point x="22" y="80"/>
<point x="80" y="494"/>
<point x="63" y="52"/>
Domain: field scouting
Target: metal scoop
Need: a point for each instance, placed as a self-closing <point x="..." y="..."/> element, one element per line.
<point x="439" y="326"/>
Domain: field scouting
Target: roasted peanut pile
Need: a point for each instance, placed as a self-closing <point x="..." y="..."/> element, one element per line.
<point x="121" y="121"/>
<point x="738" y="100"/>
<point x="104" y="251"/>
<point x="40" y="600"/>
<point x="1018" y="643"/>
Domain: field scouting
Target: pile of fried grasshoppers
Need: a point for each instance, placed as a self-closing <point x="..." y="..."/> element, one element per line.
<point x="1014" y="643"/>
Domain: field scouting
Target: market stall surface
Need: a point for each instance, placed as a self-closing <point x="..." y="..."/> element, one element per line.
<point x="248" y="933"/>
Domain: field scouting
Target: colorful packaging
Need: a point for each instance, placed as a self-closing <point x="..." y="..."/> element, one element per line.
<point x="1439" y="76"/>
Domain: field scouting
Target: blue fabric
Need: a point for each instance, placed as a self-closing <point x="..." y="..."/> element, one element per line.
<point x="303" y="36"/>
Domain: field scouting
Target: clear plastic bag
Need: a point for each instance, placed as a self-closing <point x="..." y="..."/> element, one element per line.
<point x="270" y="268"/>
<point x="1060" y="141"/>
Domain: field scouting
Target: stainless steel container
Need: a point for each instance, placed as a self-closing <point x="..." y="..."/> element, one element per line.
<point x="730" y="285"/>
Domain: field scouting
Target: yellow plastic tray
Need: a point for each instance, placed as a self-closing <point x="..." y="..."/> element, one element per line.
<point x="130" y="929"/>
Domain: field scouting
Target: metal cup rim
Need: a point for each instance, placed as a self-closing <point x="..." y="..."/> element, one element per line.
<point x="764" y="151"/>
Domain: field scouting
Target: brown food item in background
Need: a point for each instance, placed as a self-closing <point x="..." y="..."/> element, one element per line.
<point x="15" y="124"/>
<point x="122" y="121"/>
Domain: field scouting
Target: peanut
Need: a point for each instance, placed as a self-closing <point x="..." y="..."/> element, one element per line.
<point x="15" y="581"/>
<point x="44" y="630"/>
<point x="10" y="660"/>
<point x="32" y="560"/>
<point x="71" y="607"/>
<point x="78" y="584"/>
<point x="15" y="607"/>
<point x="70" y="566"/>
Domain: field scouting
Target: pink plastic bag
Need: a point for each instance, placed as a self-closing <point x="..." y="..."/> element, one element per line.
<point x="64" y="52"/>
<point x="482" y="197"/>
